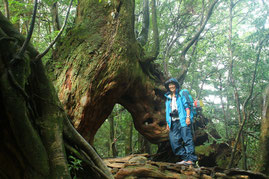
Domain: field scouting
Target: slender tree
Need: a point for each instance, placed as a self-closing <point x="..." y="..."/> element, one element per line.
<point x="55" y="16"/>
<point x="129" y="138"/>
<point x="112" y="137"/>
<point x="264" y="138"/>
<point x="6" y="5"/>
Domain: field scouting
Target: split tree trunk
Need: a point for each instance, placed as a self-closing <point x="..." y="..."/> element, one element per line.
<point x="102" y="64"/>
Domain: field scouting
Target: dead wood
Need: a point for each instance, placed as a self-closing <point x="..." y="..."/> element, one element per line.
<point x="133" y="167"/>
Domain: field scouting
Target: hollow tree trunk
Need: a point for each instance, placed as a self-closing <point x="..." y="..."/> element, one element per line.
<point x="105" y="65"/>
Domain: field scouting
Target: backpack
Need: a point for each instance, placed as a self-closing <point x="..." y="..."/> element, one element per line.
<point x="198" y="103"/>
<point x="185" y="93"/>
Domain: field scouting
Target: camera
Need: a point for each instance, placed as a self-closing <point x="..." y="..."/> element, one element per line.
<point x="174" y="113"/>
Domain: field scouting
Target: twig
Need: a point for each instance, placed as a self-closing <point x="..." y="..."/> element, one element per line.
<point x="8" y="38"/>
<point x="28" y="38"/>
<point x="38" y="57"/>
<point x="215" y="138"/>
<point x="248" y="133"/>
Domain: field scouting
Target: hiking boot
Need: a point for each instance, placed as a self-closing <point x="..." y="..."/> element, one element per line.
<point x="188" y="163"/>
<point x="181" y="163"/>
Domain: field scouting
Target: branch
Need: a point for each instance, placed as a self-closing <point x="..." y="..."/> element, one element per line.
<point x="254" y="73"/>
<point x="185" y="66"/>
<point x="234" y="4"/>
<point x="72" y="135"/>
<point x="246" y="101"/>
<point x="216" y="140"/>
<point x="6" y="8"/>
<point x="143" y="36"/>
<point x="196" y="36"/>
<point x="55" y="16"/>
<point x="252" y="135"/>
<point x="57" y="37"/>
<point x="30" y="32"/>
<point x="156" y="45"/>
<point x="84" y="159"/>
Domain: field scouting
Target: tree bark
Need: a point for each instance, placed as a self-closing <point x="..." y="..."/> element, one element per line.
<point x="129" y="138"/>
<point x="112" y="143"/>
<point x="143" y="36"/>
<point x="104" y="66"/>
<point x="55" y="17"/>
<point x="156" y="45"/>
<point x="236" y="95"/>
<point x="264" y="138"/>
<point x="32" y="117"/>
<point x="6" y="5"/>
<point x="223" y="109"/>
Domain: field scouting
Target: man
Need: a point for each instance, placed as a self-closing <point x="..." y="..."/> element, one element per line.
<point x="179" y="118"/>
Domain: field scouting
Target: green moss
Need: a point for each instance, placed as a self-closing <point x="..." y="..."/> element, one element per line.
<point x="222" y="161"/>
<point x="204" y="150"/>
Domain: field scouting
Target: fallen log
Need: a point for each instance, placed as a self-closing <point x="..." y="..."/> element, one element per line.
<point x="138" y="166"/>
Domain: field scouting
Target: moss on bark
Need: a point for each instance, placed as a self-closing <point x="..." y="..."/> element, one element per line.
<point x="29" y="113"/>
<point x="103" y="66"/>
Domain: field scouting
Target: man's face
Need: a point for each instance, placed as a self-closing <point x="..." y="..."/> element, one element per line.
<point x="172" y="87"/>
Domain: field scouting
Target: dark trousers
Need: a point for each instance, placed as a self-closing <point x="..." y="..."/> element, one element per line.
<point x="181" y="141"/>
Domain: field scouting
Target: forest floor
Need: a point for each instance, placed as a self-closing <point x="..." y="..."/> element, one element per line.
<point x="138" y="166"/>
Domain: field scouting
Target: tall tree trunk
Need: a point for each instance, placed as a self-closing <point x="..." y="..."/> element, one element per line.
<point x="146" y="146"/>
<point x="143" y="36"/>
<point x="143" y="145"/>
<point x="112" y="141"/>
<point x="129" y="138"/>
<point x="105" y="65"/>
<point x="140" y="144"/>
<point x="6" y="5"/>
<point x="264" y="139"/>
<point x="55" y="16"/>
<point x="236" y="95"/>
<point x="223" y="109"/>
<point x="32" y="120"/>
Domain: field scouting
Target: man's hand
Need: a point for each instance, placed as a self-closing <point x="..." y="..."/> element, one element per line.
<point x="188" y="121"/>
<point x="167" y="127"/>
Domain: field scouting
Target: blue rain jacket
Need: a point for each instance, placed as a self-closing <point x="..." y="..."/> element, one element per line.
<point x="181" y="104"/>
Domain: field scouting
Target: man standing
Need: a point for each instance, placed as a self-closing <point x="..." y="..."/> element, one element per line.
<point x="179" y="118"/>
